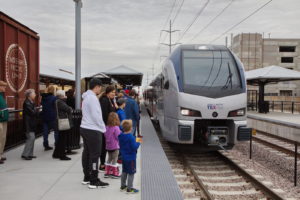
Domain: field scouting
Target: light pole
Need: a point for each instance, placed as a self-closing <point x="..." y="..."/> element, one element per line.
<point x="78" y="6"/>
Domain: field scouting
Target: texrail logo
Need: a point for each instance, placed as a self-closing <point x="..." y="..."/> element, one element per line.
<point x="16" y="68"/>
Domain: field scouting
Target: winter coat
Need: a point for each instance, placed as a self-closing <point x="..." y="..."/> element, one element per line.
<point x="128" y="146"/>
<point x="132" y="109"/>
<point x="64" y="111"/>
<point x="107" y="107"/>
<point x="30" y="115"/>
<point x="71" y="102"/>
<point x="48" y="103"/>
<point x="111" y="137"/>
<point x="3" y="109"/>
<point x="121" y="113"/>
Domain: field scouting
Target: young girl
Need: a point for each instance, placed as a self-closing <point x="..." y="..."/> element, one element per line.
<point x="112" y="145"/>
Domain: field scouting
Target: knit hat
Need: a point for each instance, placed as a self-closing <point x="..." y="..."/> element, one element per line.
<point x="121" y="101"/>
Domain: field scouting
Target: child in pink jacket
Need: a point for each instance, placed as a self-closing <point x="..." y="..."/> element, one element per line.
<point x="112" y="145"/>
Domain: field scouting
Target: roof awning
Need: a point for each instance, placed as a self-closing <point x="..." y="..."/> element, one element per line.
<point x="271" y="74"/>
<point x="125" y="75"/>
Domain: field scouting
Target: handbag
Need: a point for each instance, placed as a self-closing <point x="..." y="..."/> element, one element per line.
<point x="64" y="123"/>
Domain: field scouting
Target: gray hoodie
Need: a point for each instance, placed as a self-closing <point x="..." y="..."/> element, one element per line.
<point x="91" y="112"/>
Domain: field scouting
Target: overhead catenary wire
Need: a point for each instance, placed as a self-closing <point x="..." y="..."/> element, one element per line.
<point x="159" y="38"/>
<point x="244" y="19"/>
<point x="214" y="19"/>
<point x="193" y="21"/>
<point x="177" y="13"/>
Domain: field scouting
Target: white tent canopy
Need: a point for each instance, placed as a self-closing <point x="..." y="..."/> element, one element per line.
<point x="125" y="75"/>
<point x="271" y="74"/>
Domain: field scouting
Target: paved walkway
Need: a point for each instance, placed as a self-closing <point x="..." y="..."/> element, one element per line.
<point x="47" y="179"/>
<point x="278" y="116"/>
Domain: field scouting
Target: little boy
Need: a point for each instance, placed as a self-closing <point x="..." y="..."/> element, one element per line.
<point x="121" y="113"/>
<point x="128" y="148"/>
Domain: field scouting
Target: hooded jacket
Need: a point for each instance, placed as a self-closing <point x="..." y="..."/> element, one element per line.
<point x="48" y="104"/>
<point x="132" y="109"/>
<point x="91" y="112"/>
<point x="128" y="146"/>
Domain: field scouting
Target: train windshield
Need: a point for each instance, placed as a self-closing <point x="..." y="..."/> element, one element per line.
<point x="210" y="73"/>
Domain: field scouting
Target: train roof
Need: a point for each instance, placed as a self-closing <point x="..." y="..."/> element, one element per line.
<point x="201" y="47"/>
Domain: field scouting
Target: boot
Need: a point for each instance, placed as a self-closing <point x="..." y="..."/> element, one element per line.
<point x="115" y="171"/>
<point x="107" y="171"/>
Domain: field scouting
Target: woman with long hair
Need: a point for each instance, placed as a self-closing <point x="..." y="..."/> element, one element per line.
<point x="107" y="105"/>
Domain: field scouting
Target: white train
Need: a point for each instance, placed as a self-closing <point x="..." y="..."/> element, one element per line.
<point x="200" y="97"/>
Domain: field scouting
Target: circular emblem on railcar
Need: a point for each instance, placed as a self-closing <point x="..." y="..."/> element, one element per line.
<point x="215" y="114"/>
<point x="16" y="68"/>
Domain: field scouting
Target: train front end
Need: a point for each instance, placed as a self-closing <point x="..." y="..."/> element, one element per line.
<point x="211" y="99"/>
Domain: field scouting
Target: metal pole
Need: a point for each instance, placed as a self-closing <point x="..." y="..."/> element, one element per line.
<point x="295" y="172"/>
<point x="170" y="47"/>
<point x="251" y="145"/>
<point x="78" y="6"/>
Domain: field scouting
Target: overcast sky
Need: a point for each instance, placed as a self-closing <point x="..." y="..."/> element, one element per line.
<point x="116" y="32"/>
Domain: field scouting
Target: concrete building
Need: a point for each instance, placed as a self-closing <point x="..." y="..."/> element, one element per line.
<point x="255" y="51"/>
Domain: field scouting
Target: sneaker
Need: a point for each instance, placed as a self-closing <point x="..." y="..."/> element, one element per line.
<point x="70" y="152"/>
<point x="33" y="157"/>
<point x="65" y="158"/>
<point x="132" y="191"/>
<point x="85" y="181"/>
<point x="97" y="183"/>
<point x="102" y="168"/>
<point x="123" y="188"/>
<point x="48" y="148"/>
<point x="26" y="158"/>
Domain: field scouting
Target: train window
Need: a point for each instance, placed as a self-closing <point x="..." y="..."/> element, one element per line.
<point x="166" y="85"/>
<point x="211" y="73"/>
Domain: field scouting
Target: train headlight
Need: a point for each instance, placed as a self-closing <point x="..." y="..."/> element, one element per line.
<point x="237" y="113"/>
<point x="189" y="112"/>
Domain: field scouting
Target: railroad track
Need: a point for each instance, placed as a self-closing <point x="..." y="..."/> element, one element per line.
<point x="219" y="177"/>
<point x="276" y="143"/>
<point x="216" y="175"/>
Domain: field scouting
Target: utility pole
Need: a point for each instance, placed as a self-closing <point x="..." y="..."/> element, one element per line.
<point x="78" y="6"/>
<point x="170" y="31"/>
<point x="152" y="71"/>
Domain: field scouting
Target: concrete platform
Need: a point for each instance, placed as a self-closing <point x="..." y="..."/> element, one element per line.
<point x="47" y="179"/>
<point x="158" y="181"/>
<point x="281" y="124"/>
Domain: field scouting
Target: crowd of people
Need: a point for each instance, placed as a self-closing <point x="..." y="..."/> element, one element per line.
<point x="109" y="128"/>
<point x="112" y="134"/>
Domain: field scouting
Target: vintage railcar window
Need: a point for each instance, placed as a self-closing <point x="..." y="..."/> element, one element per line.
<point x="210" y="73"/>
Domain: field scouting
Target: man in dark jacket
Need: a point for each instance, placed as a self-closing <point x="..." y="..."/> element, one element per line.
<point x="49" y="116"/>
<point x="132" y="110"/>
<point x="30" y="122"/>
<point x="3" y="120"/>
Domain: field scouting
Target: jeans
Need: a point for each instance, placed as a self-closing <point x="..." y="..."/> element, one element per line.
<point x="47" y="126"/>
<point x="134" y="124"/>
<point x="29" y="145"/>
